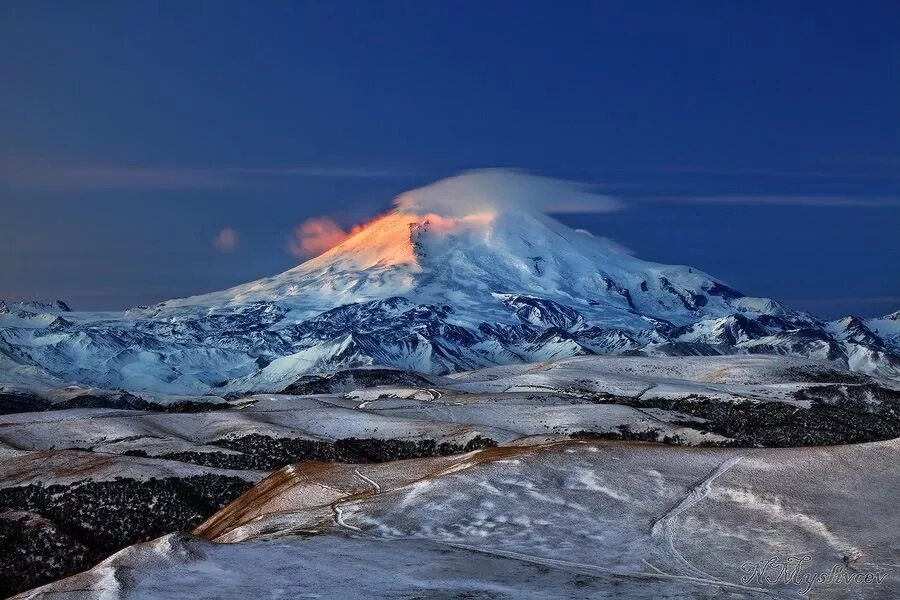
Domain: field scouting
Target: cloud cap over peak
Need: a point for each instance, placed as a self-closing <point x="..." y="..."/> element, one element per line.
<point x="503" y="190"/>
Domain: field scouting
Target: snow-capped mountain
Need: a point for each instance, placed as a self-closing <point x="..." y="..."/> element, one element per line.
<point x="465" y="273"/>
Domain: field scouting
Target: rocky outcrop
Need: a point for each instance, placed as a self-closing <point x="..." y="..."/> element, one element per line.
<point x="11" y="403"/>
<point x="830" y="419"/>
<point x="354" y="379"/>
<point x="19" y="402"/>
<point x="266" y="453"/>
<point x="48" y="532"/>
<point x="34" y="551"/>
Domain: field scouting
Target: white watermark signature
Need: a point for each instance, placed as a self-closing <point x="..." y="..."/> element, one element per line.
<point x="795" y="571"/>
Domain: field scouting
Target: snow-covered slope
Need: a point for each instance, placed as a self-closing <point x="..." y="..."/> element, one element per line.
<point x="462" y="274"/>
<point x="479" y="263"/>
<point x="572" y="520"/>
<point x="93" y="473"/>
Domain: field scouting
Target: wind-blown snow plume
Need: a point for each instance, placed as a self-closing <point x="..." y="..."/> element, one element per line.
<point x="316" y="235"/>
<point x="503" y="190"/>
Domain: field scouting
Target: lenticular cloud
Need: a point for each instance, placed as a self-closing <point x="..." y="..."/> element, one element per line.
<point x="503" y="190"/>
<point x="467" y="200"/>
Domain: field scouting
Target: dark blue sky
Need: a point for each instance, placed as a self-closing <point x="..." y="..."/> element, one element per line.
<point x="757" y="141"/>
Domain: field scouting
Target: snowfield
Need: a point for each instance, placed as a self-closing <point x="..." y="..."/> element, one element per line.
<point x="79" y="483"/>
<point x="655" y="398"/>
<point x="576" y="519"/>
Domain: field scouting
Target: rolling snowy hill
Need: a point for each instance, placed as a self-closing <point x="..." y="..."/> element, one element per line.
<point x="566" y="520"/>
<point x="89" y="474"/>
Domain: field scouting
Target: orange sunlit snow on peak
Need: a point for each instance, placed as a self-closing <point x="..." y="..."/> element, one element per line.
<point x="389" y="240"/>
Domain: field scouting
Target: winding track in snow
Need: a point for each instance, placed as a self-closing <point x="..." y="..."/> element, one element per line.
<point x="337" y="513"/>
<point x="371" y="482"/>
<point x="589" y="569"/>
<point x="662" y="531"/>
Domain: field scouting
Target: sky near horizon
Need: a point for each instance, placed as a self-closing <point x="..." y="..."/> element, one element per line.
<point x="162" y="149"/>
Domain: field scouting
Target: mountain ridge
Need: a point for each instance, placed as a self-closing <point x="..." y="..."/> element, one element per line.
<point x="436" y="293"/>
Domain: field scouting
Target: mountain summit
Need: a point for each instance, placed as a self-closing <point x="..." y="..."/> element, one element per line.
<point x="464" y="273"/>
<point x="466" y="239"/>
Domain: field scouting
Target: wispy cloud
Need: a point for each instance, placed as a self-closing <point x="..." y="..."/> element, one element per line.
<point x="849" y="299"/>
<point x="130" y="177"/>
<point x="226" y="240"/>
<point x="782" y="200"/>
<point x="316" y="235"/>
<point x="350" y="172"/>
<point x="757" y="171"/>
<point x="877" y="160"/>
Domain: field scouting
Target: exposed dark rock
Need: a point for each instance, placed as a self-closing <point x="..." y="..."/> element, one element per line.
<point x="376" y="316"/>
<point x="542" y="312"/>
<point x="123" y="401"/>
<point x="59" y="324"/>
<point x="625" y="433"/>
<point x="189" y="406"/>
<point x="686" y="349"/>
<point x="90" y="520"/>
<point x="108" y="515"/>
<point x="26" y="402"/>
<point x="265" y="453"/>
<point x="34" y="551"/>
<point x="390" y="331"/>
<point x="350" y="379"/>
<point x="854" y="329"/>
<point x="723" y="291"/>
<point x="824" y="374"/>
<point x="661" y="326"/>
<point x="260" y="453"/>
<point x="378" y="450"/>
<point x="806" y="341"/>
<point x="82" y="523"/>
<point x="835" y="420"/>
<point x="11" y="403"/>
<point x="732" y="330"/>
<point x="612" y="285"/>
<point x="606" y="340"/>
<point x="842" y="413"/>
<point x="691" y="300"/>
<point x="864" y="398"/>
